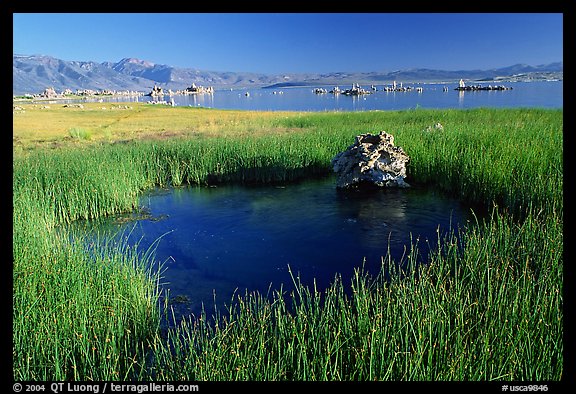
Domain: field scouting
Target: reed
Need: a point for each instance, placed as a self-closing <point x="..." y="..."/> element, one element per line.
<point x="486" y="306"/>
<point x="80" y="313"/>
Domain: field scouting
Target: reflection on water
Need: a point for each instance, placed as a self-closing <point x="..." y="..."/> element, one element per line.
<point x="524" y="94"/>
<point x="216" y="240"/>
<point x="461" y="98"/>
<point x="201" y="100"/>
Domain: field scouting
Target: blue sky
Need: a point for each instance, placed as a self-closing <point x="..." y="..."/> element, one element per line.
<point x="275" y="43"/>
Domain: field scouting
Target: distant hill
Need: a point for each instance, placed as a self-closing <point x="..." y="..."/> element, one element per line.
<point x="34" y="73"/>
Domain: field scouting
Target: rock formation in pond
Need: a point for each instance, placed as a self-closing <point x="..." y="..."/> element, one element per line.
<point x="371" y="160"/>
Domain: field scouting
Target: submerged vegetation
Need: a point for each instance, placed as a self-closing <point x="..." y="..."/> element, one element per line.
<point x="488" y="305"/>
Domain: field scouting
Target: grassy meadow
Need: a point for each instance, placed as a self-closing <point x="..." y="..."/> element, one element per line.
<point x="488" y="305"/>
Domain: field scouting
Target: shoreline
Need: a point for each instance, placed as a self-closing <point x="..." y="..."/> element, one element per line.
<point x="20" y="96"/>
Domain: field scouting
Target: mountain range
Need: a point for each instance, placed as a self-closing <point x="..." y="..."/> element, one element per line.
<point x="34" y="73"/>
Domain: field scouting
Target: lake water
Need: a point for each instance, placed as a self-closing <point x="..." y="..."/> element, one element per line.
<point x="523" y="94"/>
<point x="215" y="240"/>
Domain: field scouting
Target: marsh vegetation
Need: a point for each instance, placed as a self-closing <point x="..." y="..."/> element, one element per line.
<point x="488" y="305"/>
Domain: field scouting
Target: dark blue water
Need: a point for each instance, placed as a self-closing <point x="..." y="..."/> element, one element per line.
<point x="523" y="94"/>
<point x="219" y="239"/>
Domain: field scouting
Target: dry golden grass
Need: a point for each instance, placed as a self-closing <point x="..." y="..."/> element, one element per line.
<point x="57" y="126"/>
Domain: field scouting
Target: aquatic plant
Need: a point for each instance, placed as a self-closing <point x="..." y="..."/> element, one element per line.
<point x="487" y="306"/>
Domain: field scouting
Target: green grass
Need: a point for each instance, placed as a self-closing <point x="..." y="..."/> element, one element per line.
<point x="77" y="313"/>
<point x="481" y="314"/>
<point x="487" y="306"/>
<point x="40" y="127"/>
<point x="80" y="134"/>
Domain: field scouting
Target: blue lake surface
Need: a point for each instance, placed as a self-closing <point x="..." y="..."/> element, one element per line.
<point x="218" y="240"/>
<point x="539" y="94"/>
